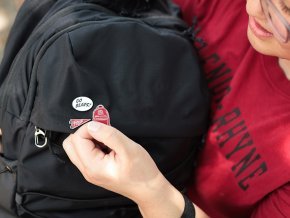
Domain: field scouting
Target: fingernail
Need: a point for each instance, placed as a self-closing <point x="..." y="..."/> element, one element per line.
<point x="94" y="126"/>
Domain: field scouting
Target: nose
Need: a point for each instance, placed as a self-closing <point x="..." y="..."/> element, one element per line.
<point x="254" y="8"/>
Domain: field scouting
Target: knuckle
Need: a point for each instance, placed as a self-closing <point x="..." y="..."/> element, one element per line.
<point x="72" y="137"/>
<point x="112" y="132"/>
<point x="67" y="141"/>
<point x="88" y="174"/>
<point x="88" y="178"/>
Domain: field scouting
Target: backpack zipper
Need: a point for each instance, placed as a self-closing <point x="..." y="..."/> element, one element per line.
<point x="6" y="169"/>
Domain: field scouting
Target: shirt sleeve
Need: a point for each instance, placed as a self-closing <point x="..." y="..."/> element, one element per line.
<point x="192" y="8"/>
<point x="276" y="204"/>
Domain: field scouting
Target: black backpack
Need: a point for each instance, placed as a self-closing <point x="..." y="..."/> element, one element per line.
<point x="71" y="61"/>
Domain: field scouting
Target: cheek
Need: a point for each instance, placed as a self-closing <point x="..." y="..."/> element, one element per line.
<point x="253" y="8"/>
<point x="248" y="8"/>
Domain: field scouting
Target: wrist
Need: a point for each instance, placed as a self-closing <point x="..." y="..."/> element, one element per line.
<point x="161" y="200"/>
<point x="189" y="209"/>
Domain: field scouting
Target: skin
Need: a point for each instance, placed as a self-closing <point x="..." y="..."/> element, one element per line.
<point x="269" y="45"/>
<point x="123" y="169"/>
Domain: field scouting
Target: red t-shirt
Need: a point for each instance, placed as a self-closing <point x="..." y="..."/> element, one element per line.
<point x="244" y="167"/>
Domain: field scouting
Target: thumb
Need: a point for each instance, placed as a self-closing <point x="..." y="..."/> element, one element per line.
<point x="109" y="136"/>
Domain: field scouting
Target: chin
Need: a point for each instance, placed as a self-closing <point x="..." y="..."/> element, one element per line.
<point x="269" y="46"/>
<point x="261" y="46"/>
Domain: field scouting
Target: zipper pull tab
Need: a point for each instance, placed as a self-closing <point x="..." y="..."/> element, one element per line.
<point x="40" y="138"/>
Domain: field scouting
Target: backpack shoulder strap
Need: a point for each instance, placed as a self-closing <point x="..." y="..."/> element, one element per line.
<point x="29" y="15"/>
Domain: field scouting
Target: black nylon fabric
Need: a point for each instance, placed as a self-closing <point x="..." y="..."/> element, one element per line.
<point x="142" y="69"/>
<point x="31" y="12"/>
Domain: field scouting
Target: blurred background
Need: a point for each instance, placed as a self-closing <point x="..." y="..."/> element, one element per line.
<point x="8" y="10"/>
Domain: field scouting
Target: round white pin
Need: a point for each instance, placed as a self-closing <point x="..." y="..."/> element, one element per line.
<point x="82" y="103"/>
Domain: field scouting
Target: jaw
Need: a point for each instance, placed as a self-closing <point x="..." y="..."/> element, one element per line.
<point x="285" y="65"/>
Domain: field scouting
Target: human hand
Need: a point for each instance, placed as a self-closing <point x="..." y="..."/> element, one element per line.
<point x="126" y="168"/>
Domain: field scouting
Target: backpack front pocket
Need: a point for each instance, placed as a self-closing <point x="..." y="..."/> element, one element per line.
<point x="41" y="205"/>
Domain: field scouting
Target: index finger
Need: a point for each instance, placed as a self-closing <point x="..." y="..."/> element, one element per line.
<point x="107" y="135"/>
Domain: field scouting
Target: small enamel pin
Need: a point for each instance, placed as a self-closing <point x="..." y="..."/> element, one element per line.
<point x="82" y="103"/>
<point x="101" y="115"/>
<point x="75" y="123"/>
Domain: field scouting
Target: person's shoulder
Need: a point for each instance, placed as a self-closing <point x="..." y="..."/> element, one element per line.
<point x="205" y="9"/>
<point x="275" y="204"/>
